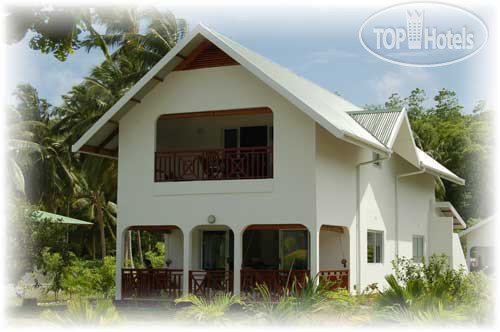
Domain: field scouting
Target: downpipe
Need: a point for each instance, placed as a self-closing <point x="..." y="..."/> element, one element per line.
<point x="396" y="206"/>
<point x="358" y="218"/>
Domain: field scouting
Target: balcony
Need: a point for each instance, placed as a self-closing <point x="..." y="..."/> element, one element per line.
<point x="214" y="164"/>
<point x="214" y="145"/>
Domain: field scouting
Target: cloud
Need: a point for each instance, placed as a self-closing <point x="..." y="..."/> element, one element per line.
<point x="52" y="78"/>
<point x="401" y="81"/>
<point x="331" y="56"/>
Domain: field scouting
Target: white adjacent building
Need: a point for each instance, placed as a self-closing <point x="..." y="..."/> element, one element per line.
<point x="254" y="172"/>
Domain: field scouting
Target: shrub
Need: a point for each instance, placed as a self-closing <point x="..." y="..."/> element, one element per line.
<point x="90" y="278"/>
<point x="157" y="256"/>
<point x="81" y="312"/>
<point x="301" y="299"/>
<point x="202" y="309"/>
<point x="424" y="291"/>
<point x="52" y="266"/>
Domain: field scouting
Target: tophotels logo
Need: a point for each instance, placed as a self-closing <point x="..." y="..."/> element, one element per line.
<point x="447" y="35"/>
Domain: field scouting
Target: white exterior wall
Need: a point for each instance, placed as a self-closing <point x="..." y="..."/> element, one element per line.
<point x="287" y="198"/>
<point x="336" y="202"/>
<point x="314" y="180"/>
<point x="173" y="248"/>
<point x="458" y="254"/>
<point x="440" y="237"/>
<point x="333" y="247"/>
<point x="483" y="236"/>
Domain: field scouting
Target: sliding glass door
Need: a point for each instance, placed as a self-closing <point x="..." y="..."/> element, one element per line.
<point x="276" y="249"/>
<point x="294" y="246"/>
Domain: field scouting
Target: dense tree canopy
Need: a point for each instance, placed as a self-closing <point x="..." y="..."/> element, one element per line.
<point x="462" y="142"/>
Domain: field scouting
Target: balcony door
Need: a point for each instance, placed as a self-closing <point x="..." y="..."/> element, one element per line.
<point x="276" y="249"/>
<point x="294" y="245"/>
<point x="253" y="136"/>
<point x="245" y="137"/>
<point x="217" y="250"/>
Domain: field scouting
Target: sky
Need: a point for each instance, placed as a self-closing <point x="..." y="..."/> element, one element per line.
<point x="317" y="42"/>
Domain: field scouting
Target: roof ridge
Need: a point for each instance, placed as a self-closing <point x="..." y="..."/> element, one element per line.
<point x="375" y="111"/>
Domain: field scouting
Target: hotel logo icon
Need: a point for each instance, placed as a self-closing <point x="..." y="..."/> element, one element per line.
<point x="414" y="23"/>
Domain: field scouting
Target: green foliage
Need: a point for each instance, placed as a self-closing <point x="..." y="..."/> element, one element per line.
<point x="462" y="142"/>
<point x="300" y="300"/>
<point x="157" y="256"/>
<point x="52" y="266"/>
<point x="211" y="310"/>
<point x="428" y="291"/>
<point x="81" y="312"/>
<point x="90" y="278"/>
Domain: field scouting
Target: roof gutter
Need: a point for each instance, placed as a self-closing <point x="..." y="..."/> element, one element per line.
<point x="356" y="140"/>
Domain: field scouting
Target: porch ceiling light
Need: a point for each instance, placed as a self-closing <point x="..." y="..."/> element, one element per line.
<point x="211" y="219"/>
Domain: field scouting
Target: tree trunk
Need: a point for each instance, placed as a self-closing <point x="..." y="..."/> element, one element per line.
<point x="110" y="229"/>
<point x="100" y="222"/>
<point x="93" y="244"/>
<point x="130" y="250"/>
<point x="139" y="248"/>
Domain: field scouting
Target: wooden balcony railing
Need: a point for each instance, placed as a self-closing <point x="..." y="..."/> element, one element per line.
<point x="275" y="280"/>
<point x="146" y="283"/>
<point x="207" y="283"/>
<point x="337" y="278"/>
<point x="214" y="164"/>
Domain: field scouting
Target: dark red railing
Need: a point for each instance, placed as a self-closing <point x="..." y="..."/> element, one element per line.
<point x="275" y="280"/>
<point x="209" y="282"/>
<point x="214" y="164"/>
<point x="337" y="278"/>
<point x="144" y="283"/>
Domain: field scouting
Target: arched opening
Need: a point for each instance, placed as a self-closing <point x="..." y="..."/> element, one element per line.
<point x="274" y="255"/>
<point x="334" y="257"/>
<point x="212" y="260"/>
<point x="214" y="145"/>
<point x="152" y="265"/>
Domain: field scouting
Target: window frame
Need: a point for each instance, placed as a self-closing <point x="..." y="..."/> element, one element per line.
<point x="378" y="235"/>
<point x="415" y="258"/>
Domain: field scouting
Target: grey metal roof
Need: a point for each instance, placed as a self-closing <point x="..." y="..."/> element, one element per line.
<point x="379" y="123"/>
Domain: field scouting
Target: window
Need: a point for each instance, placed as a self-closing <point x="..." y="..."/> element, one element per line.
<point x="375" y="246"/>
<point x="418" y="248"/>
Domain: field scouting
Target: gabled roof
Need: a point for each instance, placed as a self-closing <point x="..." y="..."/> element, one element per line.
<point x="388" y="126"/>
<point x="323" y="106"/>
<point x="447" y="209"/>
<point x="374" y="130"/>
<point x="435" y="168"/>
<point x="379" y="123"/>
<point x="477" y="226"/>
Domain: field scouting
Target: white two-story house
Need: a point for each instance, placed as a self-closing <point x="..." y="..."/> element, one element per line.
<point x="258" y="175"/>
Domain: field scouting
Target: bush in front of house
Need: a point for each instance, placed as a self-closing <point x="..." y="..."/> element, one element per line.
<point x="81" y="312"/>
<point x="433" y="291"/>
<point x="89" y="278"/>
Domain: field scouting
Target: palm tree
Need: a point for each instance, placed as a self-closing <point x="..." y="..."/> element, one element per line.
<point x="19" y="145"/>
<point x="96" y="178"/>
<point x="123" y="33"/>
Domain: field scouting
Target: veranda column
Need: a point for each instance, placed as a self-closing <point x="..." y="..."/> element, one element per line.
<point x="119" y="264"/>
<point x="314" y="235"/>
<point x="238" y="252"/>
<point x="186" y="265"/>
